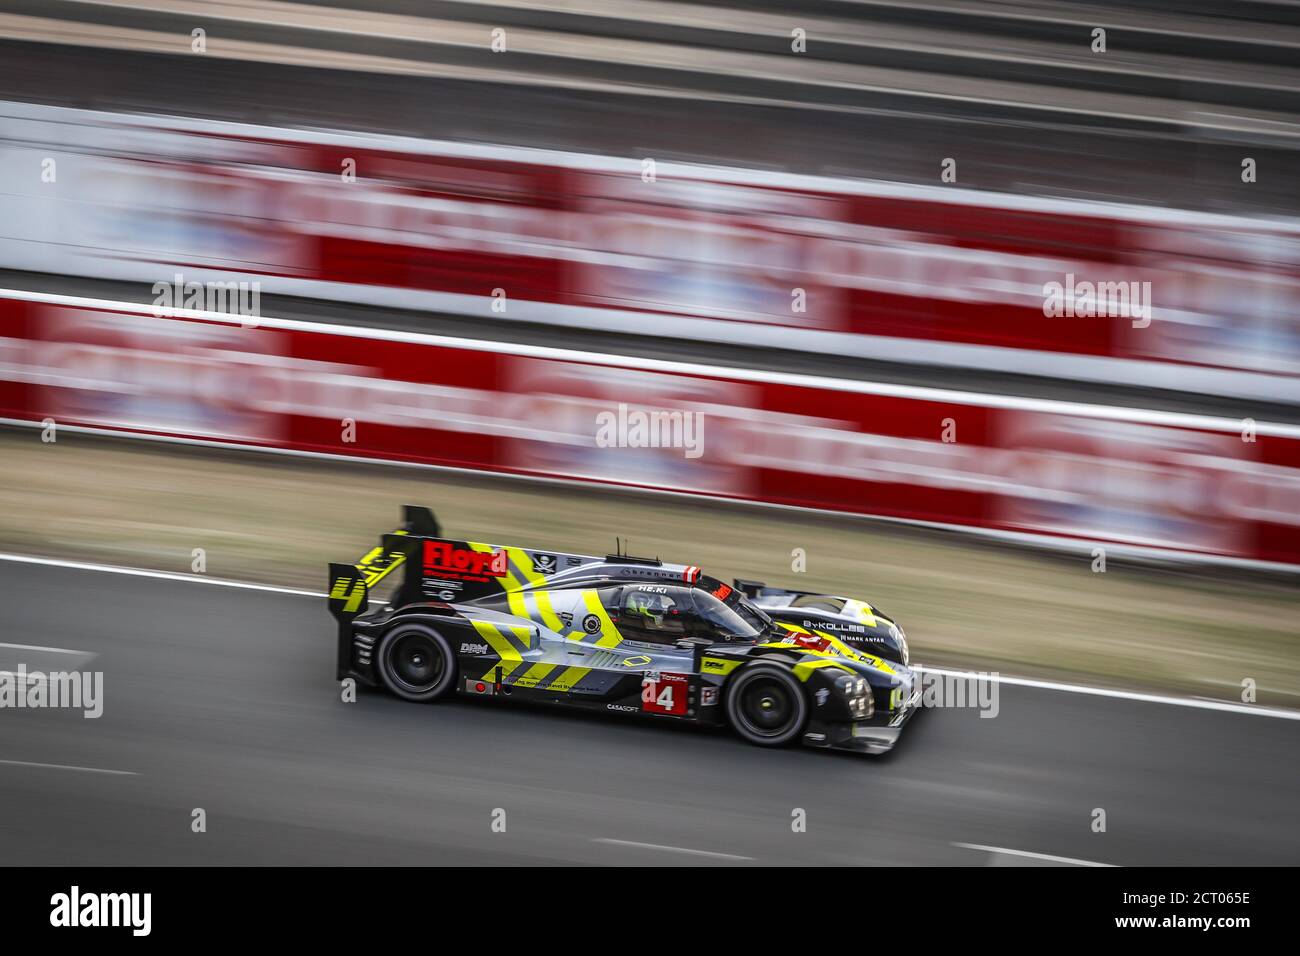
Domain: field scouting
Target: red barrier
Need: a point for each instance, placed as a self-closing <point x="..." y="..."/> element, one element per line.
<point x="923" y="274"/>
<point x="1197" y="486"/>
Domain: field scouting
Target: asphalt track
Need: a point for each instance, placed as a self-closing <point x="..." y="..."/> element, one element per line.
<point x="222" y="699"/>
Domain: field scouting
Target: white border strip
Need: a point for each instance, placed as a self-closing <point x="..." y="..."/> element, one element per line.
<point x="1198" y="703"/>
<point x="919" y="393"/>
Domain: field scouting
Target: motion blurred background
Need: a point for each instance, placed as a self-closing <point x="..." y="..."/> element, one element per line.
<point x="875" y="196"/>
<point x="990" y="312"/>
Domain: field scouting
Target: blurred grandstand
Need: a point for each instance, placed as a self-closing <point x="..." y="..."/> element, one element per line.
<point x="884" y="89"/>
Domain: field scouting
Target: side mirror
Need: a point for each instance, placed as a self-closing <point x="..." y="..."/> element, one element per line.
<point x="687" y="643"/>
<point x="696" y="646"/>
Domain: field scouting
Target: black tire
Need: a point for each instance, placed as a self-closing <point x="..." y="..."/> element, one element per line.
<point x="766" y="705"/>
<point x="415" y="662"/>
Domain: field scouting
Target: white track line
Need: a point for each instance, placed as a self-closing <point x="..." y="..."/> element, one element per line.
<point x="671" y="849"/>
<point x="1195" y="702"/>
<point x="1201" y="703"/>
<point x="161" y="575"/>
<point x="60" y="766"/>
<point x="1033" y="856"/>
<point x="49" y="650"/>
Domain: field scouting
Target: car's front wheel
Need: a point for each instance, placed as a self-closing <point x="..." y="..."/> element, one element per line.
<point x="766" y="705"/>
<point x="416" y="663"/>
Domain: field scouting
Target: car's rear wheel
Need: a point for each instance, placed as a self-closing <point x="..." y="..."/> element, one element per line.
<point x="766" y="705"/>
<point x="415" y="662"/>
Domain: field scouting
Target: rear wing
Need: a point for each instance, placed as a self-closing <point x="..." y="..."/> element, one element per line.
<point x="434" y="568"/>
<point x="350" y="584"/>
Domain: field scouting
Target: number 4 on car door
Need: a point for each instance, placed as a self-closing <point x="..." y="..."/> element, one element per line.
<point x="664" y="693"/>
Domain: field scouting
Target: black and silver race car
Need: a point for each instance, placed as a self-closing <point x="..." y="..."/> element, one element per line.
<point x="623" y="634"/>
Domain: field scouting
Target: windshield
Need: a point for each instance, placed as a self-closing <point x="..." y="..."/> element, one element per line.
<point x="752" y="615"/>
<point x="740" y="620"/>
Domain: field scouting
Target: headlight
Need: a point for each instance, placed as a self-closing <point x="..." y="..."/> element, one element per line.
<point x="902" y="646"/>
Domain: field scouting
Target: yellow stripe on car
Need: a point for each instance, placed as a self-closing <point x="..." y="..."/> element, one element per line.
<point x="547" y="610"/>
<point x="876" y="662"/>
<point x="518" y="607"/>
<point x="838" y="649"/>
<point x="507" y="581"/>
<point x="520" y="565"/>
<point x="568" y="679"/>
<point x="525" y="565"/>
<point x="718" y="665"/>
<point x="500" y="644"/>
<point x="534" y="675"/>
<point x="376" y="565"/>
<point x="862" y="610"/>
<point x="523" y="634"/>
<point x="803" y="670"/>
<point x="609" y="635"/>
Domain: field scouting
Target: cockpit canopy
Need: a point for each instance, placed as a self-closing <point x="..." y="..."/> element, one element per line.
<point x="665" y="613"/>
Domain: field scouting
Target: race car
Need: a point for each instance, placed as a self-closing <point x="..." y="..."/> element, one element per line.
<point x="620" y="634"/>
